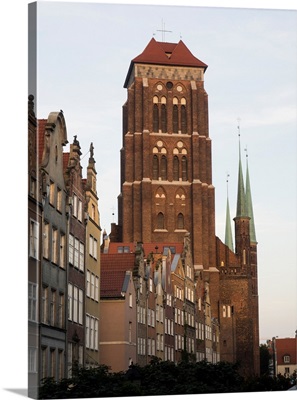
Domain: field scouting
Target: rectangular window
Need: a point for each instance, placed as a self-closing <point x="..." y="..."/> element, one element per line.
<point x="53" y="308"/>
<point x="96" y="288"/>
<point x="54" y="245"/>
<point x="52" y="194"/>
<point x="53" y="363"/>
<point x="92" y="286"/>
<point x="96" y="340"/>
<point x="34" y="238"/>
<point x="76" y="252"/>
<point x="62" y="250"/>
<point x="32" y="360"/>
<point x="74" y="212"/>
<point x="45" y="305"/>
<point x="87" y="331"/>
<point x="59" y="199"/>
<point x="61" y="310"/>
<point x="88" y="283"/>
<point x="60" y="364"/>
<point x="93" y="247"/>
<point x="81" y="256"/>
<point x="70" y="302"/>
<point x="32" y="302"/>
<point x="92" y="333"/>
<point x="75" y="304"/>
<point x="151" y="285"/>
<point x="71" y="249"/>
<point x="44" y="362"/>
<point x="79" y="210"/>
<point x="80" y="306"/>
<point x="45" y="240"/>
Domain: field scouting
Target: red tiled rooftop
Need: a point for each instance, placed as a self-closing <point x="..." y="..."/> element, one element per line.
<point x="164" y="53"/>
<point x="286" y="346"/>
<point x="113" y="270"/>
<point x="148" y="247"/>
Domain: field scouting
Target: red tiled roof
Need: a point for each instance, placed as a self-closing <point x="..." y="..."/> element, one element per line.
<point x="148" y="247"/>
<point x="113" y="271"/>
<point x="164" y="53"/>
<point x="287" y="346"/>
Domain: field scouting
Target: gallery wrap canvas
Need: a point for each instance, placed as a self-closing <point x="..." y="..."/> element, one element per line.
<point x="161" y="200"/>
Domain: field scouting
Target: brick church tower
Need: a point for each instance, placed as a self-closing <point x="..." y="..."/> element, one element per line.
<point x="166" y="175"/>
<point x="167" y="191"/>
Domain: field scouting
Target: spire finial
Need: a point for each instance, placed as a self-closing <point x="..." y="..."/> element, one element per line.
<point x="238" y="130"/>
<point x="163" y="30"/>
<point x="228" y="230"/>
<point x="227" y="182"/>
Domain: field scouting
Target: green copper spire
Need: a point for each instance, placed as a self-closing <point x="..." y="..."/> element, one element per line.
<point x="249" y="204"/>
<point x="228" y="231"/>
<point x="241" y="209"/>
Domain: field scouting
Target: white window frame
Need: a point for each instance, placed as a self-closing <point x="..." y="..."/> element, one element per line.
<point x="34" y="239"/>
<point x="32" y="301"/>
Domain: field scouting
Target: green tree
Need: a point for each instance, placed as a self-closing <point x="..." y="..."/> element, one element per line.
<point x="264" y="359"/>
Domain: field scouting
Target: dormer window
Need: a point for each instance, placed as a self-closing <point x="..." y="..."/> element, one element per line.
<point x="287" y="359"/>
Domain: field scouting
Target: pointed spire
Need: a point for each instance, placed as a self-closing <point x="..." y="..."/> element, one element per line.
<point x="228" y="231"/>
<point x="241" y="209"/>
<point x="249" y="204"/>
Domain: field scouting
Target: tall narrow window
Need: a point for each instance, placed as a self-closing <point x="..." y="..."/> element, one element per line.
<point x="175" y="168"/>
<point x="184" y="169"/>
<point x="71" y="249"/>
<point x="163" y="118"/>
<point x="155" y="168"/>
<point x="180" y="221"/>
<point x="75" y="304"/>
<point x="70" y="301"/>
<point x="160" y="221"/>
<point x="45" y="238"/>
<point x="164" y="168"/>
<point x="53" y="308"/>
<point x="183" y="119"/>
<point x="32" y="301"/>
<point x="155" y="118"/>
<point x="54" y="245"/>
<point x="62" y="250"/>
<point x="175" y="119"/>
<point x="34" y="233"/>
<point x="45" y="305"/>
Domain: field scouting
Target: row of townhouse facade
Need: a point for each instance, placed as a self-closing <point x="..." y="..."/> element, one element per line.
<point x="162" y="302"/>
<point x="64" y="254"/>
<point x="127" y="304"/>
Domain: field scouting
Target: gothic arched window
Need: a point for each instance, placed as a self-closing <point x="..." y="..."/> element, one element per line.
<point x="183" y="119"/>
<point x="163" y="118"/>
<point x="180" y="221"/>
<point x="175" y="118"/>
<point x="164" y="168"/>
<point x="160" y="221"/>
<point x="175" y="168"/>
<point x="155" y="167"/>
<point x="184" y="168"/>
<point x="155" y="118"/>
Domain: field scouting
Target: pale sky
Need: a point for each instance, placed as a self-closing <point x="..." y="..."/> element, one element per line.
<point x="84" y="52"/>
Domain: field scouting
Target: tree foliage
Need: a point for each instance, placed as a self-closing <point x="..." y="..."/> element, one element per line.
<point x="159" y="378"/>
